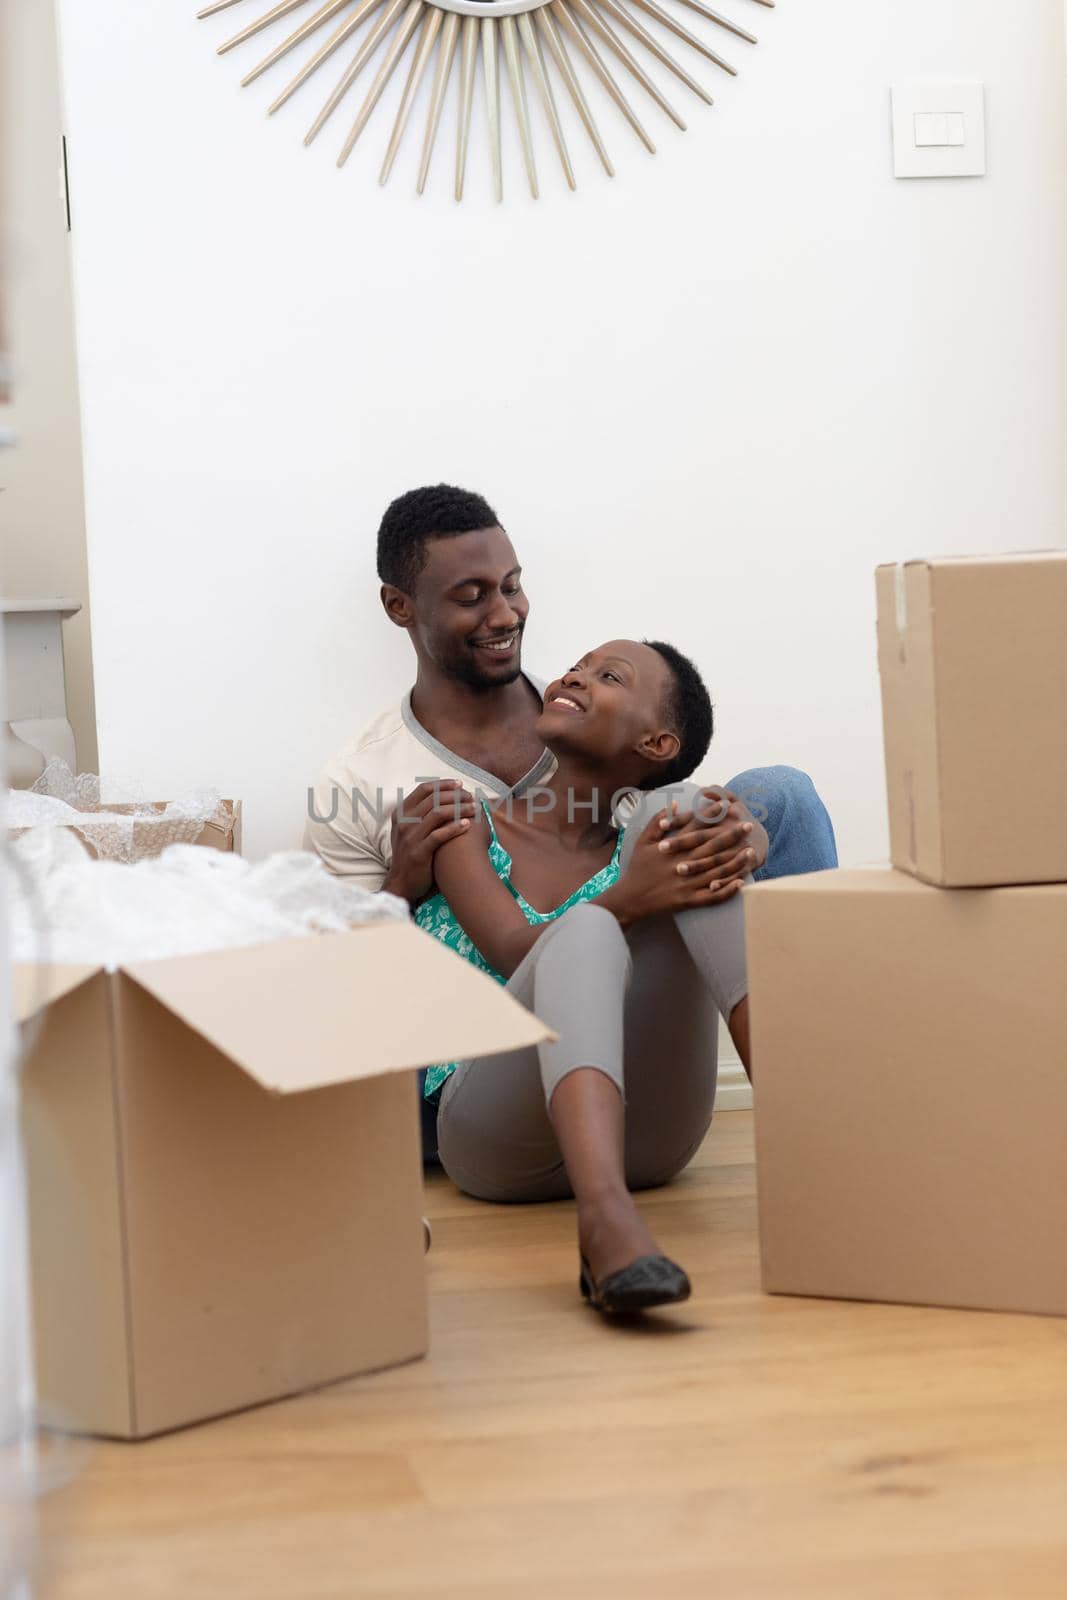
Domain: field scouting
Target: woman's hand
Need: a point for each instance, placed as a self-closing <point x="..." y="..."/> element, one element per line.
<point x="677" y="865"/>
<point x="720" y="833"/>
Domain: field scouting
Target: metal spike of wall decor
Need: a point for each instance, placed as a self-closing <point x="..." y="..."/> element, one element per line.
<point x="538" y="50"/>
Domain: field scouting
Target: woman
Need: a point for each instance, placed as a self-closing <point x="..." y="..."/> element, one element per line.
<point x="640" y="941"/>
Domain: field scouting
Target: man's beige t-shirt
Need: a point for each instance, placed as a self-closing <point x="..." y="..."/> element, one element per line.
<point x="350" y="812"/>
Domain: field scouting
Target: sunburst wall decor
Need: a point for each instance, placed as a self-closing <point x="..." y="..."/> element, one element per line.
<point x="572" y="35"/>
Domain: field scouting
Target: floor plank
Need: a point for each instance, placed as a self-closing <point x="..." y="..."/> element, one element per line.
<point x="742" y="1446"/>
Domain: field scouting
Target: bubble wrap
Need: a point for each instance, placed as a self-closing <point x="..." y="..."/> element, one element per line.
<point x="61" y="798"/>
<point x="69" y="908"/>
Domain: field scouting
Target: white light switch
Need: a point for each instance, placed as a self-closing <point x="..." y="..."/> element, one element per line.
<point x="938" y="130"/>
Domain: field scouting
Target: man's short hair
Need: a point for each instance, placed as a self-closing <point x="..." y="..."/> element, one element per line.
<point x="414" y="518"/>
<point x="689" y="715"/>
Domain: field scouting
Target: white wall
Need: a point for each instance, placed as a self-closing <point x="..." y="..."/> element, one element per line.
<point x="707" y="397"/>
<point x="42" y="515"/>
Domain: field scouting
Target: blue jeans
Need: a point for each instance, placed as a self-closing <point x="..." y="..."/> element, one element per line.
<point x="798" y="825"/>
<point x="801" y="838"/>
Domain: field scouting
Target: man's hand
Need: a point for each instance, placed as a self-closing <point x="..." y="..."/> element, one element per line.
<point x="425" y="819"/>
<point x="720" y="832"/>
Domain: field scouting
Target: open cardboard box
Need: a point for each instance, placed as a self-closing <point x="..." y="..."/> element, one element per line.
<point x="224" y="1167"/>
<point x="223" y="832"/>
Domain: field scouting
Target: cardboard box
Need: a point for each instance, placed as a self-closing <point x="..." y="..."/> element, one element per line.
<point x="910" y="1064"/>
<point x="973" y="661"/>
<point x="222" y="833"/>
<point x="224" y="1167"/>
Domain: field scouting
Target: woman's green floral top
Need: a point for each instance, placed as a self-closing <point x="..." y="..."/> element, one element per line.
<point x="437" y="917"/>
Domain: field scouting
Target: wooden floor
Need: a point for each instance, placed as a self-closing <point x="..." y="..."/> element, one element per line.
<point x="742" y="1446"/>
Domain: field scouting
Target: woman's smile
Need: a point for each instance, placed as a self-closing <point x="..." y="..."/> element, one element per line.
<point x="565" y="702"/>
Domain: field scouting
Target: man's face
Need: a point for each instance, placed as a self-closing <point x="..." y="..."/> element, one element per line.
<point x="469" y="607"/>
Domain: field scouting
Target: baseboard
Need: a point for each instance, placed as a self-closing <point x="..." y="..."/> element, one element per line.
<point x="734" y="1092"/>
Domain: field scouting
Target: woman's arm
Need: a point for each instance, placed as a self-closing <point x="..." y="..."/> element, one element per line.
<point x="652" y="885"/>
<point x="484" y="906"/>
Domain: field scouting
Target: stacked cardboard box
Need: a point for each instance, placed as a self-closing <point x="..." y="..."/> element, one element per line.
<point x="972" y="656"/>
<point x="910" y="1022"/>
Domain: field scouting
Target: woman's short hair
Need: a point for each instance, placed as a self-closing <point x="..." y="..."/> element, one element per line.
<point x="689" y="715"/>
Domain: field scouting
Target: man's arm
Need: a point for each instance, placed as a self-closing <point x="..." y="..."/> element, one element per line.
<point x="341" y="836"/>
<point x="425" y="819"/>
<point x="346" y="833"/>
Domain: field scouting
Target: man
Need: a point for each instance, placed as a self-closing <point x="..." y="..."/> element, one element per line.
<point x="451" y="578"/>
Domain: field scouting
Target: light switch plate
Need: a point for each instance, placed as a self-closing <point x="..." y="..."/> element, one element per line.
<point x="938" y="130"/>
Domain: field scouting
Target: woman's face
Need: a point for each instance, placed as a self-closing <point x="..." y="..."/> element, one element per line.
<point x="609" y="709"/>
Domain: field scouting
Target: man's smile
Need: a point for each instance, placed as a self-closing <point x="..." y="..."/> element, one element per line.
<point x="499" y="646"/>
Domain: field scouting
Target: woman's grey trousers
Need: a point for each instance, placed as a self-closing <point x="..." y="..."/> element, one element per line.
<point x="641" y="1006"/>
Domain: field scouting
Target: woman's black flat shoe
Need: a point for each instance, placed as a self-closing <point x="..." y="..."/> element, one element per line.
<point x="648" y="1281"/>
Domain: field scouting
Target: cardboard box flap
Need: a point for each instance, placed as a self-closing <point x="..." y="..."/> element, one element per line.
<point x="38" y="985"/>
<point x="988" y="557"/>
<point x="305" y="1013"/>
<point x="840" y="880"/>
